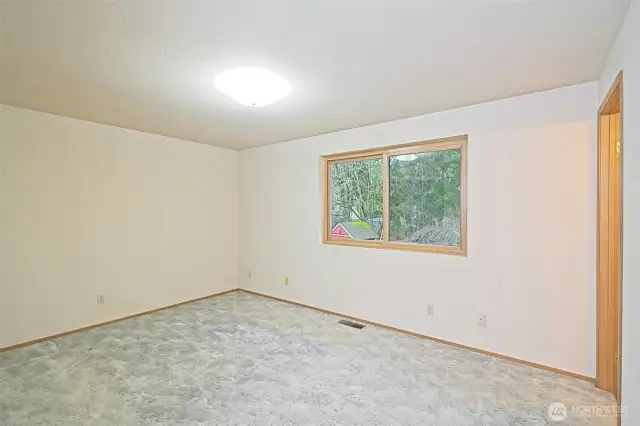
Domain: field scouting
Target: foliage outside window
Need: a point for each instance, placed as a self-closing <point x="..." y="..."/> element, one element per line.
<point x="406" y="197"/>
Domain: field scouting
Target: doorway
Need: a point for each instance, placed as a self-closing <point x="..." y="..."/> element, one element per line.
<point x="609" y="257"/>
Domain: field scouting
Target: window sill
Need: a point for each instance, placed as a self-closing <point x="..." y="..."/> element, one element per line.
<point x="455" y="251"/>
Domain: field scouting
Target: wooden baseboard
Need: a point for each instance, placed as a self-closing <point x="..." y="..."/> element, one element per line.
<point x="375" y="324"/>
<point x="101" y="324"/>
<point x="433" y="339"/>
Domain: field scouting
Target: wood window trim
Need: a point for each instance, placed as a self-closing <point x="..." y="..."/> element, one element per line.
<point x="455" y="142"/>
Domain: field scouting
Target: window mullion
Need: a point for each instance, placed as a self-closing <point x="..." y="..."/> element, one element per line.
<point x="385" y="197"/>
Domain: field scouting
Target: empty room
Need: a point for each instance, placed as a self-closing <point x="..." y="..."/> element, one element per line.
<point x="336" y="212"/>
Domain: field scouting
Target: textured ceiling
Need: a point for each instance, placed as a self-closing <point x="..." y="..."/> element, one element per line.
<point x="150" y="65"/>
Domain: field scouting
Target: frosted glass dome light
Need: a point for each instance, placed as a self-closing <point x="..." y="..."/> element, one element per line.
<point x="407" y="157"/>
<point x="252" y="86"/>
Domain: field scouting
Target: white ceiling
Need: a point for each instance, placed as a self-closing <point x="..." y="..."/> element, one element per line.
<point x="150" y="65"/>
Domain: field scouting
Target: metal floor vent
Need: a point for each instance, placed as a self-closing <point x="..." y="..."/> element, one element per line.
<point x="351" y="324"/>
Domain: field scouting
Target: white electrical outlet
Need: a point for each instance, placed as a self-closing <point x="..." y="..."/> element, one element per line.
<point x="481" y="320"/>
<point x="430" y="310"/>
<point x="100" y="299"/>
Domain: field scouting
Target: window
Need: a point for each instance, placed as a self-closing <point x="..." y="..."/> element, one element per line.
<point x="405" y="197"/>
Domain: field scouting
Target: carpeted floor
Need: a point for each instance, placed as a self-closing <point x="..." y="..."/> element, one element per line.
<point x="240" y="359"/>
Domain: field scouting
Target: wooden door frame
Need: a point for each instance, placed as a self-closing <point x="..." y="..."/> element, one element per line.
<point x="610" y="104"/>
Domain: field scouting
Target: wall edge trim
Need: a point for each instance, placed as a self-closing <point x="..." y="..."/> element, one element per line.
<point x="101" y="324"/>
<point x="433" y="339"/>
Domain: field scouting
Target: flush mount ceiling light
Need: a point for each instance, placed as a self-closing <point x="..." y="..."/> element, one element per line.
<point x="252" y="86"/>
<point x="408" y="157"/>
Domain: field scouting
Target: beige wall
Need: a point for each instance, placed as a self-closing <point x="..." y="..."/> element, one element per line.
<point x="626" y="56"/>
<point x="531" y="231"/>
<point x="85" y="208"/>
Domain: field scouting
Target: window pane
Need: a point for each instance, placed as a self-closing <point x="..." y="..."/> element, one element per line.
<point x="356" y="200"/>
<point x="424" y="198"/>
